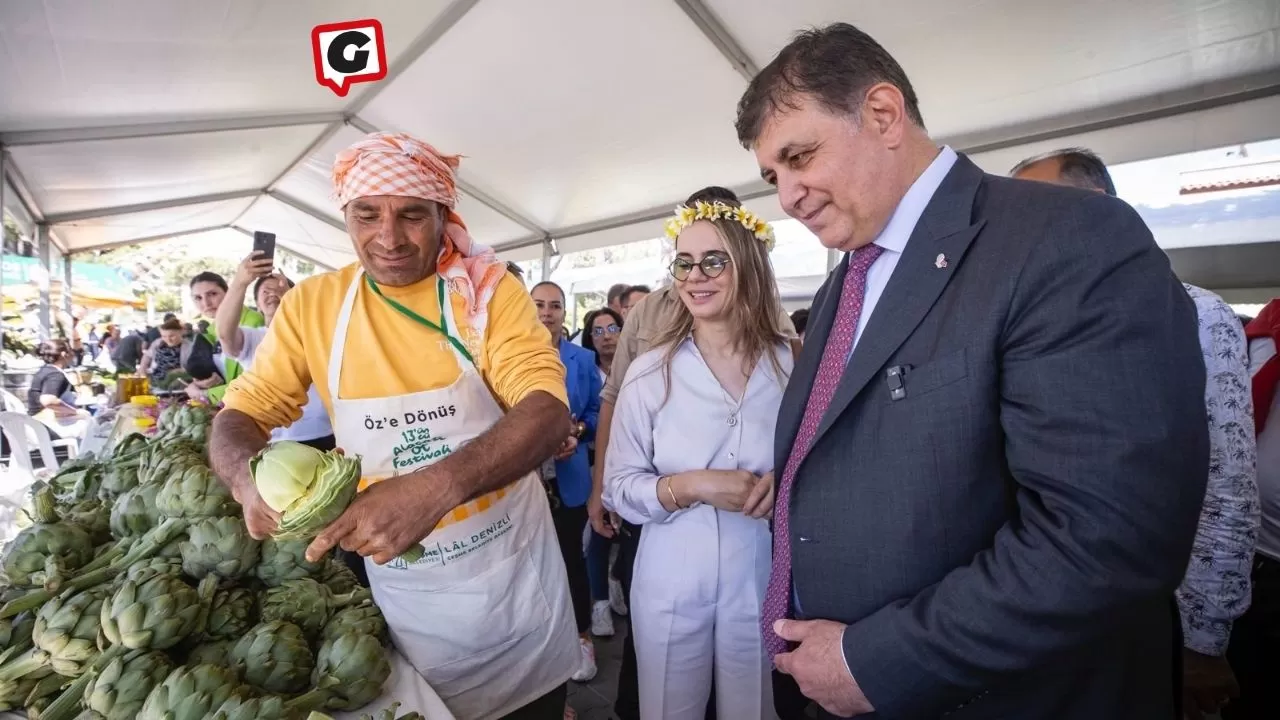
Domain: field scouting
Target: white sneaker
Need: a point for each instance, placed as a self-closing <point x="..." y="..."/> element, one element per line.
<point x="617" y="598"/>
<point x="601" y="619"/>
<point x="588" y="669"/>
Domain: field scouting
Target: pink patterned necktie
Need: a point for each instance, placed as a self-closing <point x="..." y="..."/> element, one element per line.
<point x="834" y="358"/>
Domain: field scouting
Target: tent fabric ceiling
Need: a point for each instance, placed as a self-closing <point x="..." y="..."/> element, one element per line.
<point x="580" y="121"/>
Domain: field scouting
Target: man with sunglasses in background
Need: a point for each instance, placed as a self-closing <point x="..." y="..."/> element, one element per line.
<point x="644" y="321"/>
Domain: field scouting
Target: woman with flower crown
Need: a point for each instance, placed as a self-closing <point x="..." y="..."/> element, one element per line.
<point x="691" y="458"/>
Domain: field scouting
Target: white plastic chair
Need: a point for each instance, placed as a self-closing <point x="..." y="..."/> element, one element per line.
<point x="61" y="437"/>
<point x="23" y="432"/>
<point x="12" y="403"/>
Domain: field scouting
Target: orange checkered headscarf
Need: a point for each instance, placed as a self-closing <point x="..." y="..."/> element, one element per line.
<point x="402" y="165"/>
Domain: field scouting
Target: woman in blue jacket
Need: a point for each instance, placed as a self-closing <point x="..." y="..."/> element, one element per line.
<point x="568" y="475"/>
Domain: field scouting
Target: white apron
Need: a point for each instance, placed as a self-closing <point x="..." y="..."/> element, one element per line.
<point x="485" y="615"/>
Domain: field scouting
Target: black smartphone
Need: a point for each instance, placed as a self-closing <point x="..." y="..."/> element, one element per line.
<point x="265" y="242"/>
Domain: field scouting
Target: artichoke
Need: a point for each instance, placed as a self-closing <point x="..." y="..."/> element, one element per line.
<point x="191" y="693"/>
<point x="134" y="512"/>
<point x="363" y="618"/>
<point x="194" y="493"/>
<point x="267" y="708"/>
<point x="64" y="637"/>
<point x="119" y="477"/>
<point x="284" y="560"/>
<point x="130" y="447"/>
<point x="43" y="694"/>
<point x="350" y="671"/>
<point x="274" y="657"/>
<point x="93" y="517"/>
<point x="117" y="690"/>
<point x="185" y="423"/>
<point x="306" y="603"/>
<point x="219" y="546"/>
<point x="48" y="551"/>
<point x="15" y="632"/>
<point x="154" y="613"/>
<point x="67" y="629"/>
<point x="76" y="482"/>
<point x="309" y="488"/>
<point x="144" y="569"/>
<point x="165" y="459"/>
<point x="210" y="653"/>
<point x="232" y="614"/>
<point x="338" y="577"/>
<point x="13" y="693"/>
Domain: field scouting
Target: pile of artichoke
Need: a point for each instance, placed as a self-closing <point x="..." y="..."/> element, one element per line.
<point x="186" y="421"/>
<point x="135" y="591"/>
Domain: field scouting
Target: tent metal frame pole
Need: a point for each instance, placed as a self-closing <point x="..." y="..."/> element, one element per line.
<point x="161" y="129"/>
<point x="43" y="256"/>
<point x="306" y="209"/>
<point x="442" y="24"/>
<point x="106" y="212"/>
<point x="3" y="184"/>
<point x="1194" y="100"/>
<point x="147" y="239"/>
<point x="66" y="284"/>
<point x="719" y="36"/>
<point x="476" y="193"/>
<point x="546" y="260"/>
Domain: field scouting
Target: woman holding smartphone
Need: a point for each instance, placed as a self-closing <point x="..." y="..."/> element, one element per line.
<point x="242" y="343"/>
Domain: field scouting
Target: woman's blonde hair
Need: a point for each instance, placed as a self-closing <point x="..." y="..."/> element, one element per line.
<point x="753" y="304"/>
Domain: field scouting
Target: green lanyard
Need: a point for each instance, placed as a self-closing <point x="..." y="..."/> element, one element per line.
<point x="421" y="320"/>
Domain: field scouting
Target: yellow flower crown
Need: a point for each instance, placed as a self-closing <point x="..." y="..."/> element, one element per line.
<point x="686" y="216"/>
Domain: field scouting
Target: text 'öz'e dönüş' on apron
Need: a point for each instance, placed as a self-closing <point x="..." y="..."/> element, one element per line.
<point x="485" y="614"/>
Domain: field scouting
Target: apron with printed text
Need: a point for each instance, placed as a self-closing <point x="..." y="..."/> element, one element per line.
<point x="485" y="614"/>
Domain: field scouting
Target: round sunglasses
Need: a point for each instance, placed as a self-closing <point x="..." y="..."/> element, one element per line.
<point x="711" y="266"/>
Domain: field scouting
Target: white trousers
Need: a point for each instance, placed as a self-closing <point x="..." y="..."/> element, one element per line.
<point x="699" y="582"/>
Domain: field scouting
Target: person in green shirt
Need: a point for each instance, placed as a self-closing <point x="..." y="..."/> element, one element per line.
<point x="208" y="289"/>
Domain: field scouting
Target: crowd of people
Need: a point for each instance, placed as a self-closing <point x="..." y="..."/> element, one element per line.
<point x="1006" y="466"/>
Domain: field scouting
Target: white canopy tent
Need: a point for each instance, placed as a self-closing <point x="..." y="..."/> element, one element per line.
<point x="582" y="121"/>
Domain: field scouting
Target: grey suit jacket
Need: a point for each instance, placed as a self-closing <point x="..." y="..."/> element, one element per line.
<point x="1003" y="534"/>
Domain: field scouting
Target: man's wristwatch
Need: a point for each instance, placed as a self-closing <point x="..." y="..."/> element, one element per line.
<point x="579" y="429"/>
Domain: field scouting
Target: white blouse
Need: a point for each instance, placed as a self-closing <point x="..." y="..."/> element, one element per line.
<point x="696" y="427"/>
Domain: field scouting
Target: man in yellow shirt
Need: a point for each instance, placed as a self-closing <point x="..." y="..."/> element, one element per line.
<point x="431" y="362"/>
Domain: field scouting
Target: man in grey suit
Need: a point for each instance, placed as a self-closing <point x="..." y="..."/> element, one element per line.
<point x="993" y="450"/>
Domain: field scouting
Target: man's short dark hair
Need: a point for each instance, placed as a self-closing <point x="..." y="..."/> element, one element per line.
<point x="800" y="319"/>
<point x="1079" y="167"/>
<point x="633" y="290"/>
<point x="209" y="277"/>
<point x="835" y="65"/>
<point x="615" y="293"/>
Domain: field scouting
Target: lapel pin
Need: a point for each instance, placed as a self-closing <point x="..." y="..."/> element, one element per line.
<point x="941" y="262"/>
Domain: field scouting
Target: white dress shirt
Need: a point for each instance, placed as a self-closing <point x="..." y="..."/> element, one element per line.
<point x="893" y="239"/>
